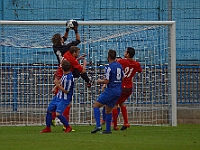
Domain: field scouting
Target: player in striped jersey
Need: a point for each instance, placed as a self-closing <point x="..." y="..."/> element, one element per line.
<point x="62" y="99"/>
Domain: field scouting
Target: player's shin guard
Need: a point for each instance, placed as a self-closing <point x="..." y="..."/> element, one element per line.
<point x="48" y="119"/>
<point x="115" y="115"/>
<point x="66" y="112"/>
<point x="63" y="120"/>
<point x="108" y="121"/>
<point x="124" y="114"/>
<point x="97" y="117"/>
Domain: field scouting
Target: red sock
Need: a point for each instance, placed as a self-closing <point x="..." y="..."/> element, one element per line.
<point x="53" y="115"/>
<point x="66" y="112"/>
<point x="124" y="114"/>
<point x="114" y="115"/>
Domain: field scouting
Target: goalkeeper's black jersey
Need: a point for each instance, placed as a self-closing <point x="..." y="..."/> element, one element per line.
<point x="62" y="49"/>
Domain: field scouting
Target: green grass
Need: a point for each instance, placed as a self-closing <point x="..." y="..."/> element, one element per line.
<point x="182" y="137"/>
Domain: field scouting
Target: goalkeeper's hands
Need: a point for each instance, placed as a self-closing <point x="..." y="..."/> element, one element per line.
<point x="67" y="29"/>
<point x="67" y="26"/>
<point x="75" y="24"/>
<point x="72" y="24"/>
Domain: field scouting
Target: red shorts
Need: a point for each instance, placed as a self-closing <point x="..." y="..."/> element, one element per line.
<point x="126" y="92"/>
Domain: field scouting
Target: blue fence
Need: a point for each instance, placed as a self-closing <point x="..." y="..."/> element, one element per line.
<point x="24" y="85"/>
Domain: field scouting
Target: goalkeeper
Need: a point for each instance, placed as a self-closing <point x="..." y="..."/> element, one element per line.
<point x="59" y="47"/>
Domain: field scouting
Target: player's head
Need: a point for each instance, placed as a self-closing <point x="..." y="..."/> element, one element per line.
<point x="57" y="39"/>
<point x="75" y="51"/>
<point x="65" y="65"/>
<point x="111" y="54"/>
<point x="129" y="53"/>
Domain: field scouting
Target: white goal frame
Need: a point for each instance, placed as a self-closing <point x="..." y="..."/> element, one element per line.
<point x="172" y="48"/>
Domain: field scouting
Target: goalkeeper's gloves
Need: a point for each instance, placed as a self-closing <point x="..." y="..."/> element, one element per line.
<point x="68" y="26"/>
<point x="67" y="29"/>
<point x="75" y="24"/>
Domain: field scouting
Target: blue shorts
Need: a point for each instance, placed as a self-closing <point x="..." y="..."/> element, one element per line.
<point x="58" y="105"/>
<point x="108" y="98"/>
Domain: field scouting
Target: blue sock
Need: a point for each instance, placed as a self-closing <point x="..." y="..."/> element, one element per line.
<point x="48" y="119"/>
<point x="104" y="113"/>
<point x="108" y="121"/>
<point x="118" y="109"/>
<point x="63" y="120"/>
<point x="97" y="117"/>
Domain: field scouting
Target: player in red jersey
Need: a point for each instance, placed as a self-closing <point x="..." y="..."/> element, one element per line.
<point x="60" y="48"/>
<point x="130" y="67"/>
<point x="77" y="70"/>
<point x="75" y="67"/>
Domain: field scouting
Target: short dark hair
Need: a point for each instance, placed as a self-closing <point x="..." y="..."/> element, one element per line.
<point x="131" y="51"/>
<point x="74" y="49"/>
<point x="65" y="65"/>
<point x="112" y="54"/>
<point x="56" y="39"/>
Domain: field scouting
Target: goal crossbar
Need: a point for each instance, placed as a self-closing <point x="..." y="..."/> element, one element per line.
<point x="8" y="22"/>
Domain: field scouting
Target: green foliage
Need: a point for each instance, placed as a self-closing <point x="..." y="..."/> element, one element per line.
<point x="182" y="137"/>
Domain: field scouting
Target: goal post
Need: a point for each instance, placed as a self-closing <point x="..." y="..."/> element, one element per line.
<point x="27" y="64"/>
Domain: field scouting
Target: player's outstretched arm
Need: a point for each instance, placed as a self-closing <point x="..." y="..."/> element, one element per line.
<point x="81" y="57"/>
<point x="66" y="34"/>
<point x="84" y="66"/>
<point x="75" y="28"/>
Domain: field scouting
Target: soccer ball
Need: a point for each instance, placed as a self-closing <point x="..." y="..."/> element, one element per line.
<point x="58" y="122"/>
<point x="69" y="24"/>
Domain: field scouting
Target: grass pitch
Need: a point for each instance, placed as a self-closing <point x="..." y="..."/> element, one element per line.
<point x="182" y="137"/>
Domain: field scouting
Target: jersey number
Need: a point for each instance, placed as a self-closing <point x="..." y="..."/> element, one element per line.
<point x="128" y="72"/>
<point x="119" y="76"/>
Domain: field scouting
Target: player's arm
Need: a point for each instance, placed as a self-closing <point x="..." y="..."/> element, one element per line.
<point x="106" y="78"/>
<point x="81" y="69"/>
<point x="75" y="28"/>
<point x="103" y="87"/>
<point x="84" y="66"/>
<point x="65" y="36"/>
<point x="103" y="81"/>
<point x="81" y="57"/>
<point x="54" y="89"/>
<point x="139" y="67"/>
<point x="78" y="39"/>
<point x="57" y="83"/>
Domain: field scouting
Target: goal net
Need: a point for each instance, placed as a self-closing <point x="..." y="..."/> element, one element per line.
<point x="27" y="65"/>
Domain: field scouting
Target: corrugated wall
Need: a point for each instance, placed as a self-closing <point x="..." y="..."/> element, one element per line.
<point x="186" y="14"/>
